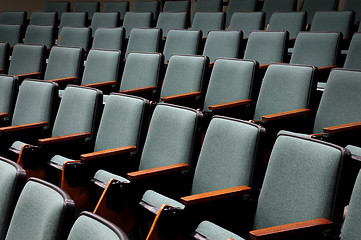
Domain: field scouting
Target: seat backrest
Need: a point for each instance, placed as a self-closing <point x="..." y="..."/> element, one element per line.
<point x="12" y="180"/>
<point x="181" y="42"/>
<point x="36" y="34"/>
<point x="271" y="6"/>
<point x="333" y="22"/>
<point x="136" y="20"/>
<point x="101" y="19"/>
<point x="143" y="40"/>
<point x="75" y="37"/>
<point x="266" y="46"/>
<point x="352" y="58"/>
<point x="311" y="7"/>
<point x="121" y="7"/>
<point x="43" y="18"/>
<point x="108" y="38"/>
<point x="35" y="103"/>
<point x="247" y="22"/>
<point x="239" y="6"/>
<point x="177" y="6"/>
<point x="73" y="19"/>
<point x="92" y="227"/>
<point x="42" y="215"/>
<point x="10" y="34"/>
<point x="341" y="90"/>
<point x="4" y="56"/>
<point x="89" y="7"/>
<point x="58" y="7"/>
<point x="101" y="66"/>
<point x="284" y="87"/>
<point x="150" y="6"/>
<point x="353" y="5"/>
<point x="26" y="58"/>
<point x="122" y="122"/>
<point x="228" y="155"/>
<point x="171" y="20"/>
<point x="8" y="91"/>
<point x="141" y="70"/>
<point x="207" y="6"/>
<point x="185" y="74"/>
<point x="207" y="21"/>
<point x="171" y="136"/>
<point x="63" y="62"/>
<point x="319" y="49"/>
<point x="222" y="44"/>
<point x="300" y="163"/>
<point x="13" y="18"/>
<point x="77" y="112"/>
<point x="292" y="22"/>
<point x="231" y="80"/>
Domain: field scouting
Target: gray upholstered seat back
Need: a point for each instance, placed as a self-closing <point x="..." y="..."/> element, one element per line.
<point x="353" y="60"/>
<point x="231" y="80"/>
<point x="12" y="18"/>
<point x="141" y="70"/>
<point x="58" y="7"/>
<point x="74" y="37"/>
<point x="177" y="6"/>
<point x="89" y="7"/>
<point x="147" y="6"/>
<point x="340" y="102"/>
<point x="43" y="18"/>
<point x="170" y="137"/>
<point x="36" y="34"/>
<point x="4" y="51"/>
<point x="301" y="182"/>
<point x="228" y="155"/>
<point x="292" y="22"/>
<point x="101" y="66"/>
<point x="143" y="40"/>
<point x="207" y="6"/>
<point x="171" y="20"/>
<point x="311" y="7"/>
<point x="353" y="5"/>
<point x="7" y="93"/>
<point x="284" y="87"/>
<point x="101" y="19"/>
<point x="63" y="62"/>
<point x="136" y="20"/>
<point x="239" y="6"/>
<point x="207" y="21"/>
<point x="247" y="22"/>
<point x="26" y="59"/>
<point x="271" y="6"/>
<point x="222" y="44"/>
<point x="108" y="38"/>
<point x="117" y="6"/>
<point x="73" y="19"/>
<point x="121" y="122"/>
<point x="10" y="34"/>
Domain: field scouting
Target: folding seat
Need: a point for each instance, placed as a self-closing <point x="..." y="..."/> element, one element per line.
<point x="181" y="42"/>
<point x="222" y="44"/>
<point x="247" y="22"/>
<point x="75" y="37"/>
<point x="91" y="226"/>
<point x="101" y="19"/>
<point x="352" y="60"/>
<point x="109" y="38"/>
<point x="311" y="7"/>
<point x="353" y="5"/>
<point x="43" y="35"/>
<point x="44" y="18"/>
<point x="271" y="6"/>
<point x="43" y="211"/>
<point x="73" y="19"/>
<point x="27" y="61"/>
<point x="136" y="20"/>
<point x="89" y="7"/>
<point x="207" y="6"/>
<point x="292" y="22"/>
<point x="121" y="7"/>
<point x="171" y="20"/>
<point x="13" y="18"/>
<point x="334" y="22"/>
<point x="239" y="6"/>
<point x="118" y="145"/>
<point x="8" y="92"/>
<point x="10" y="34"/>
<point x="58" y="7"/>
<point x="143" y="40"/>
<point x="170" y="145"/>
<point x="177" y="6"/>
<point x="12" y="181"/>
<point x="207" y="21"/>
<point x="295" y="162"/>
<point x="141" y="74"/>
<point x="266" y="47"/>
<point x="147" y="6"/>
<point x="4" y="56"/>
<point x="183" y="81"/>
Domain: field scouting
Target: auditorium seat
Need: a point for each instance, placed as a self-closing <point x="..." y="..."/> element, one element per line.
<point x="207" y="21"/>
<point x="311" y="7"/>
<point x="143" y="40"/>
<point x="117" y="6"/>
<point x="207" y="6"/>
<point x="4" y="56"/>
<point x="89" y="7"/>
<point x="8" y="91"/>
<point x="239" y="6"/>
<point x="109" y="38"/>
<point x="246" y="22"/>
<point x="73" y="19"/>
<point x="101" y="19"/>
<point x="352" y="60"/>
<point x="58" y="7"/>
<point x="292" y="22"/>
<point x="171" y="20"/>
<point x="10" y="34"/>
<point x="13" y="18"/>
<point x="136" y="20"/>
<point x="177" y="6"/>
<point x="147" y="6"/>
<point x="41" y="35"/>
<point x="271" y="6"/>
<point x="44" y="18"/>
<point x="75" y="37"/>
<point x="353" y="5"/>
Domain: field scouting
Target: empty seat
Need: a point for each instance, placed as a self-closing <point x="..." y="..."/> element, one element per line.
<point x="89" y="7"/>
<point x="9" y="88"/>
<point x="4" y="56"/>
<point x="136" y="20"/>
<point x="109" y="38"/>
<point x="292" y="22"/>
<point x="120" y="7"/>
<point x="10" y="34"/>
<point x="43" y="35"/>
<point x="239" y="6"/>
<point x="177" y="6"/>
<point x="207" y="6"/>
<point x="73" y="19"/>
<point x="311" y="7"/>
<point x="44" y="18"/>
<point x="143" y="40"/>
<point x="75" y="37"/>
<point x="101" y="19"/>
<point x="271" y="6"/>
<point x="13" y="18"/>
<point x="247" y="22"/>
<point x="58" y="7"/>
<point x="149" y="6"/>
<point x="352" y="58"/>
<point x="353" y="5"/>
<point x="171" y="20"/>
<point x="181" y="42"/>
<point x="207" y="21"/>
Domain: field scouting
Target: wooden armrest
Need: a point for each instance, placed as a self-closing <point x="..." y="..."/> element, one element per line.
<point x="180" y="96"/>
<point x="64" y="138"/>
<point x="215" y="195"/>
<point x="107" y="153"/>
<point x="3" y="115"/>
<point x="211" y="64"/>
<point x="67" y="79"/>
<point x="23" y="127"/>
<point x="157" y="171"/>
<point x="137" y="90"/>
<point x="343" y="127"/>
<point x="327" y="68"/>
<point x="229" y="104"/>
<point x="264" y="66"/>
<point x="288" y="229"/>
<point x="25" y="75"/>
<point x="287" y="114"/>
<point x="95" y="85"/>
